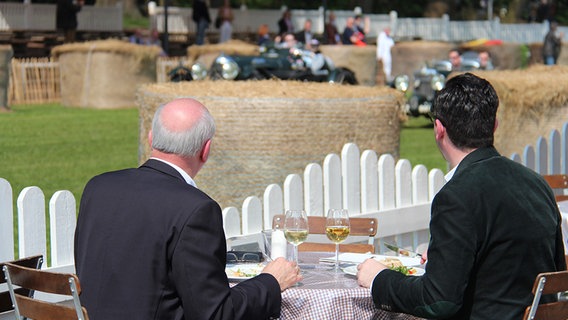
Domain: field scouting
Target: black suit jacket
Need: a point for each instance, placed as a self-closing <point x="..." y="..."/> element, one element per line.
<point x="495" y="225"/>
<point x="150" y="246"/>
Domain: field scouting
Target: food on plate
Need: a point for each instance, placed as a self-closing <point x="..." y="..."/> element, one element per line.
<point x="244" y="271"/>
<point x="396" y="265"/>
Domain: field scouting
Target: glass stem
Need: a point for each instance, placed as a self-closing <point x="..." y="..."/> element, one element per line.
<point x="337" y="256"/>
<point x="296" y="254"/>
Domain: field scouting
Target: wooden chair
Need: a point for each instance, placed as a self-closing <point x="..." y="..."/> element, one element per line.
<point x="558" y="183"/>
<point x="45" y="281"/>
<point x="34" y="262"/>
<point x="358" y="227"/>
<point x="548" y="283"/>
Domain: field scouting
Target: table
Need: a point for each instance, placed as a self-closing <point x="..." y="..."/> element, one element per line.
<point x="324" y="294"/>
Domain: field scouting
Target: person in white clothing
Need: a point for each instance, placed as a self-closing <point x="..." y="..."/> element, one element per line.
<point x="384" y="45"/>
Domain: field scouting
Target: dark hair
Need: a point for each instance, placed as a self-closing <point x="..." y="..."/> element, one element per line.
<point x="467" y="107"/>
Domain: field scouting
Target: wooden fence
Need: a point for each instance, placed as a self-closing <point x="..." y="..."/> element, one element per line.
<point x="34" y="80"/>
<point x="369" y="185"/>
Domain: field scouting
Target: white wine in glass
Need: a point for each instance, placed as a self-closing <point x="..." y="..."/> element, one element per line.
<point x="296" y="229"/>
<point x="337" y="229"/>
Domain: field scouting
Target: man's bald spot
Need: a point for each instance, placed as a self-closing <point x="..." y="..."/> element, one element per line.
<point x="181" y="114"/>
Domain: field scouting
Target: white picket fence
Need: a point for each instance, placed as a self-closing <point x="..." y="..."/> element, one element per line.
<point x="397" y="194"/>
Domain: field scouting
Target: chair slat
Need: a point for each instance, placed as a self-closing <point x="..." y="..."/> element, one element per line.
<point x="50" y="282"/>
<point x="41" y="310"/>
<point x="553" y="283"/>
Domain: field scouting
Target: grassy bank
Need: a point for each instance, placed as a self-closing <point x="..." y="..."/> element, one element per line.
<point x="58" y="148"/>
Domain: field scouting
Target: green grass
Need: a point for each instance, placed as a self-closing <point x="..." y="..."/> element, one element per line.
<point x="59" y="148"/>
<point x="417" y="144"/>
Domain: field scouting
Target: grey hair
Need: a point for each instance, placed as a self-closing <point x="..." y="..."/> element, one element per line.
<point x="186" y="143"/>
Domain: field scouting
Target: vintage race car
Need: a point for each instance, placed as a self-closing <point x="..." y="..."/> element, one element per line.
<point x="273" y="62"/>
<point x="426" y="83"/>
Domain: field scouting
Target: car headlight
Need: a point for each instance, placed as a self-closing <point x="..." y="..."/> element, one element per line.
<point x="198" y="71"/>
<point x="401" y="82"/>
<point x="438" y="81"/>
<point x="228" y="67"/>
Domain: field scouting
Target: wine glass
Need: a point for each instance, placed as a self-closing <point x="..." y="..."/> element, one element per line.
<point x="296" y="229"/>
<point x="337" y="229"/>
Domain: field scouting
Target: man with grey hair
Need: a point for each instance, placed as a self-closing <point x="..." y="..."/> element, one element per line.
<point x="150" y="245"/>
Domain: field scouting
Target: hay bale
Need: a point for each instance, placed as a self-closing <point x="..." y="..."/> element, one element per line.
<point x="533" y="102"/>
<point x="412" y="55"/>
<point x="269" y="129"/>
<point x="104" y="74"/>
<point x="231" y="47"/>
<point x="361" y="60"/>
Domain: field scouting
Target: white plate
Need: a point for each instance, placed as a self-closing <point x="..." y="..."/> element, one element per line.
<point x="360" y="257"/>
<point x="352" y="270"/>
<point x="238" y="272"/>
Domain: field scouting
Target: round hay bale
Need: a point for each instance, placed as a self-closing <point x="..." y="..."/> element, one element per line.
<point x="104" y="74"/>
<point x="269" y="129"/>
<point x="361" y="60"/>
<point x="6" y="54"/>
<point x="533" y="102"/>
<point x="231" y="47"/>
<point x="410" y="56"/>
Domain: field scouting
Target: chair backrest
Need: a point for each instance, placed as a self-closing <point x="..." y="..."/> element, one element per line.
<point x="558" y="183"/>
<point x="358" y="227"/>
<point x="45" y="281"/>
<point x="34" y="262"/>
<point x="548" y="283"/>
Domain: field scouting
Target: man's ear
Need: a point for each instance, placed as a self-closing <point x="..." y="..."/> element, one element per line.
<point x="496" y="125"/>
<point x="439" y="129"/>
<point x="150" y="138"/>
<point x="205" y="151"/>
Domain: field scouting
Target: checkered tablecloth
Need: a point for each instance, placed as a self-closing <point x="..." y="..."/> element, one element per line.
<point x="326" y="294"/>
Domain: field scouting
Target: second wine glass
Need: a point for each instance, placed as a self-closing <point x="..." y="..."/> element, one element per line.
<point x="337" y="229"/>
<point x="296" y="229"/>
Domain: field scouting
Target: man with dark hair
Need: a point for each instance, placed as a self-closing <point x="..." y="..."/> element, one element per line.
<point x="494" y="226"/>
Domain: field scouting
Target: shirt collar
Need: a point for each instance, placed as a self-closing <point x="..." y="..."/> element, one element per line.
<point x="450" y="174"/>
<point x="184" y="174"/>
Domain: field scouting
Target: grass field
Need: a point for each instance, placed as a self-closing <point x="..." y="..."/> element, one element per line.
<point x="58" y="148"/>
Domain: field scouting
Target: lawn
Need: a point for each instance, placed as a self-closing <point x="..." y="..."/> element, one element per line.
<point x="59" y="148"/>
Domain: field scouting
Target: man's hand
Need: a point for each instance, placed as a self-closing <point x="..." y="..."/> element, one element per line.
<point x="367" y="271"/>
<point x="287" y="273"/>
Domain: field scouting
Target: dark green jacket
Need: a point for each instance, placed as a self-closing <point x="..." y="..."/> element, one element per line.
<point x="495" y="225"/>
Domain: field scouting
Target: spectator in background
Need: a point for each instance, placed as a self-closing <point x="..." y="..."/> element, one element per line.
<point x="137" y="37"/>
<point x="285" y="24"/>
<point x="351" y="34"/>
<point x="305" y="35"/>
<point x="200" y="16"/>
<point x="226" y="15"/>
<point x="362" y="27"/>
<point x="66" y="17"/>
<point x="331" y="35"/>
<point x="485" y="62"/>
<point x="552" y="45"/>
<point x="455" y="59"/>
<point x="263" y="35"/>
<point x="384" y="45"/>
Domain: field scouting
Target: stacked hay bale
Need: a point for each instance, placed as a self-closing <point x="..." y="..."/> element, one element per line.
<point x="533" y="102"/>
<point x="269" y="129"/>
<point x="361" y="60"/>
<point x="104" y="74"/>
